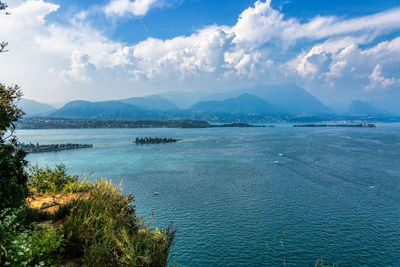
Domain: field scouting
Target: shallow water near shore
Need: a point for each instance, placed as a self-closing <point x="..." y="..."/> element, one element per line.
<point x="230" y="192"/>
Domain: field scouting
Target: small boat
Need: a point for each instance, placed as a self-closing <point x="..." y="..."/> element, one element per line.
<point x="156" y="193"/>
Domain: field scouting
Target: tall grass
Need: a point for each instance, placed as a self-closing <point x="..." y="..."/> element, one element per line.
<point x="103" y="230"/>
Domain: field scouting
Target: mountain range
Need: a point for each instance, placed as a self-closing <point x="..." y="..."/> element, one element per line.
<point x="34" y="108"/>
<point x="259" y="103"/>
<point x="289" y="98"/>
<point x="358" y="107"/>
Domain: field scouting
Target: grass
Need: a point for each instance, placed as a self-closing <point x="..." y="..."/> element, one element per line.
<point x="104" y="229"/>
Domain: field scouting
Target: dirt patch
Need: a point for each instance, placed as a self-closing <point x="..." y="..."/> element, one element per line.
<point x="51" y="202"/>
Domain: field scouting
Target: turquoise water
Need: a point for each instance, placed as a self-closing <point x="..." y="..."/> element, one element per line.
<point x="229" y="192"/>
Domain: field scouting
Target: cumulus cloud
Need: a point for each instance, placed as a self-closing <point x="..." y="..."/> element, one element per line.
<point x="378" y="81"/>
<point x="124" y="7"/>
<point x="258" y="48"/>
<point x="45" y="58"/>
<point x="77" y="73"/>
<point x="261" y="24"/>
<point x="333" y="59"/>
<point x="310" y="64"/>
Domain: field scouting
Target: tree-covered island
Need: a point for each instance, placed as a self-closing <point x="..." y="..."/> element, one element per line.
<point x="37" y="148"/>
<point x="155" y="140"/>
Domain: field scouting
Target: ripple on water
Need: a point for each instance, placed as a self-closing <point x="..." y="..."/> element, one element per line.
<point x="333" y="191"/>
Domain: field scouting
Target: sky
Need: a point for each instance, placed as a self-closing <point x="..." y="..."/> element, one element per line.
<point x="62" y="50"/>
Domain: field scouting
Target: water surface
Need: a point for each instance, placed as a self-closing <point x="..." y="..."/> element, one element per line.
<point x="231" y="191"/>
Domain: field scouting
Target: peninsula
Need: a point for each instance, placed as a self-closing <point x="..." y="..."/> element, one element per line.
<point x="53" y="123"/>
<point x="360" y="125"/>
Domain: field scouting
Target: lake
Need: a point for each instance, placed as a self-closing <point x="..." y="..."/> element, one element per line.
<point x="232" y="192"/>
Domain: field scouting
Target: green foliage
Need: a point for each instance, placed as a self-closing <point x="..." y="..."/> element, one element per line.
<point x="104" y="231"/>
<point x="12" y="175"/>
<point x="3" y="5"/>
<point x="22" y="245"/>
<point x="3" y="45"/>
<point x="47" y="180"/>
<point x="47" y="245"/>
<point x="80" y="186"/>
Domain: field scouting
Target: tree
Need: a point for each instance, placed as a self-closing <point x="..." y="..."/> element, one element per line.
<point x="3" y="45"/>
<point x="13" y="177"/>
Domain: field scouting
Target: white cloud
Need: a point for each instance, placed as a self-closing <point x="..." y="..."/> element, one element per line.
<point x="261" y="24"/>
<point x="124" y="7"/>
<point x="182" y="57"/>
<point x="48" y="59"/>
<point x="349" y="71"/>
<point x="244" y="64"/>
<point x="77" y="73"/>
<point x="378" y="81"/>
<point x="310" y="64"/>
<point x="247" y="53"/>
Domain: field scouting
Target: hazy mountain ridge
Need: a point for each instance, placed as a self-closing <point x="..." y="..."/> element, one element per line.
<point x="288" y="97"/>
<point x="80" y="109"/>
<point x="33" y="108"/>
<point x="260" y="103"/>
<point x="358" y="107"/>
<point x="242" y="104"/>
<point x="153" y="102"/>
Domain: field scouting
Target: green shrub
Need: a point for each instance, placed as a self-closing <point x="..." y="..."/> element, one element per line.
<point x="46" y="180"/>
<point x="104" y="230"/>
<point x="80" y="186"/>
<point x="24" y="245"/>
<point x="47" y="245"/>
<point x="12" y="175"/>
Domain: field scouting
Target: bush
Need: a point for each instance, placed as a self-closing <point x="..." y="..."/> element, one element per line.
<point x="80" y="186"/>
<point x="104" y="230"/>
<point x="47" y="245"/>
<point x="23" y="245"/>
<point x="46" y="180"/>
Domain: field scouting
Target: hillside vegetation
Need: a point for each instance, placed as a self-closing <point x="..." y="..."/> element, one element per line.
<point x="94" y="225"/>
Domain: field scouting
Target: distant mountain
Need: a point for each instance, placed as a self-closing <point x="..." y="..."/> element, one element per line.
<point x="253" y="104"/>
<point x="290" y="98"/>
<point x="183" y="99"/>
<point x="243" y="104"/>
<point x="99" y="110"/>
<point x="358" y="107"/>
<point x="32" y="107"/>
<point x="153" y="102"/>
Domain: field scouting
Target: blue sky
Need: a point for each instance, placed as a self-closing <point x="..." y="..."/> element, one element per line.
<point x="183" y="17"/>
<point x="338" y="50"/>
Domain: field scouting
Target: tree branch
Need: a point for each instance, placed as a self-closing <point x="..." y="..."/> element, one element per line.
<point x="3" y="46"/>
